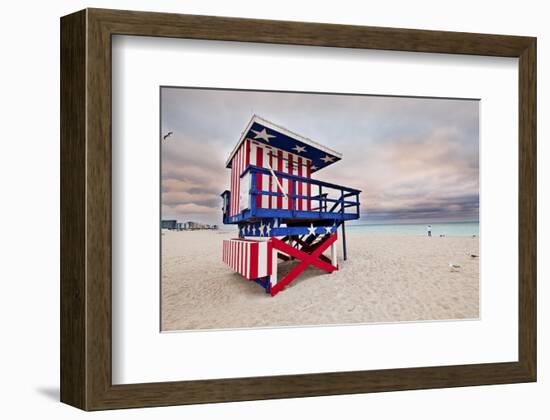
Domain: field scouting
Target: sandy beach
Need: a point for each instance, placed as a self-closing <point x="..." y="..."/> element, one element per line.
<point x="387" y="278"/>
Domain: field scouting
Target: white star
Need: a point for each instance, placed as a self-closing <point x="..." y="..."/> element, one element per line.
<point x="313" y="167"/>
<point x="327" y="159"/>
<point x="328" y="229"/>
<point x="262" y="227"/>
<point x="299" y="149"/>
<point x="249" y="228"/>
<point x="311" y="229"/>
<point x="268" y="230"/>
<point x="262" y="135"/>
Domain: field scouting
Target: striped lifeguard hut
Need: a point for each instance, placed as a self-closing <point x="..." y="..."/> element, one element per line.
<point x="282" y="212"/>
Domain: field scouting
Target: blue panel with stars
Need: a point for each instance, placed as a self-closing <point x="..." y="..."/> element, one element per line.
<point x="272" y="227"/>
<point x="265" y="132"/>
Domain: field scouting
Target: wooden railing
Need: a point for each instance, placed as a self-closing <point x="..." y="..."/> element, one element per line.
<point x="346" y="198"/>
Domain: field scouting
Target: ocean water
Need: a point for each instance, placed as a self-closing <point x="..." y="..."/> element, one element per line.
<point x="416" y="229"/>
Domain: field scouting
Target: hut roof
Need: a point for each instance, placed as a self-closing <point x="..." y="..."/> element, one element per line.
<point x="266" y="132"/>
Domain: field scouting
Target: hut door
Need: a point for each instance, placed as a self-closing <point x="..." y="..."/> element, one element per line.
<point x="244" y="193"/>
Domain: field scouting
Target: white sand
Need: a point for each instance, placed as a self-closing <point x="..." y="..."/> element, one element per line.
<point x="385" y="279"/>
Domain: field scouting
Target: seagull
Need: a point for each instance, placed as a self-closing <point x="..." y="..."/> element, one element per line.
<point x="167" y="135"/>
<point x="299" y="149"/>
<point x="311" y="229"/>
<point x="328" y="159"/>
<point x="454" y="267"/>
<point x="262" y="135"/>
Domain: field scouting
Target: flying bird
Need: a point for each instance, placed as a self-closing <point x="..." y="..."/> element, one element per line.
<point x="167" y="135"/>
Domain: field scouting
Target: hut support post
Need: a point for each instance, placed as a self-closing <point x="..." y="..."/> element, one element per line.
<point x="345" y="252"/>
<point x="274" y="261"/>
<point x="334" y="254"/>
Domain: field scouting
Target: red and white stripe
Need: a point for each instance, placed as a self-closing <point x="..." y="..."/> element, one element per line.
<point x="266" y="156"/>
<point x="249" y="258"/>
<point x="238" y="164"/>
<point x="253" y="153"/>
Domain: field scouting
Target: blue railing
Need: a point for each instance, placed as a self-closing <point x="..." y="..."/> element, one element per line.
<point x="330" y="201"/>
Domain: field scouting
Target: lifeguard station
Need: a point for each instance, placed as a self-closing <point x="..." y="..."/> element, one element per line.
<point x="282" y="212"/>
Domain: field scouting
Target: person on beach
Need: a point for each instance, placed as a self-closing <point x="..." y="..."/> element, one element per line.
<point x="429" y="228"/>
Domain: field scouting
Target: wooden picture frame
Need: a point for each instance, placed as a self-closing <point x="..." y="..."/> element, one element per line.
<point x="86" y="209"/>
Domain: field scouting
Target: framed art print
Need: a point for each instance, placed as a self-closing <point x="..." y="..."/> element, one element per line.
<point x="410" y="221"/>
<point x="261" y="209"/>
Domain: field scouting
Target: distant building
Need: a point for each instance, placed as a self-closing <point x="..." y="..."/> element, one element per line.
<point x="175" y="225"/>
<point x="193" y="225"/>
<point x="169" y="224"/>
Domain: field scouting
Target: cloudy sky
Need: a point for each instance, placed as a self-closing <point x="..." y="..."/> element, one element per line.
<point x="415" y="159"/>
